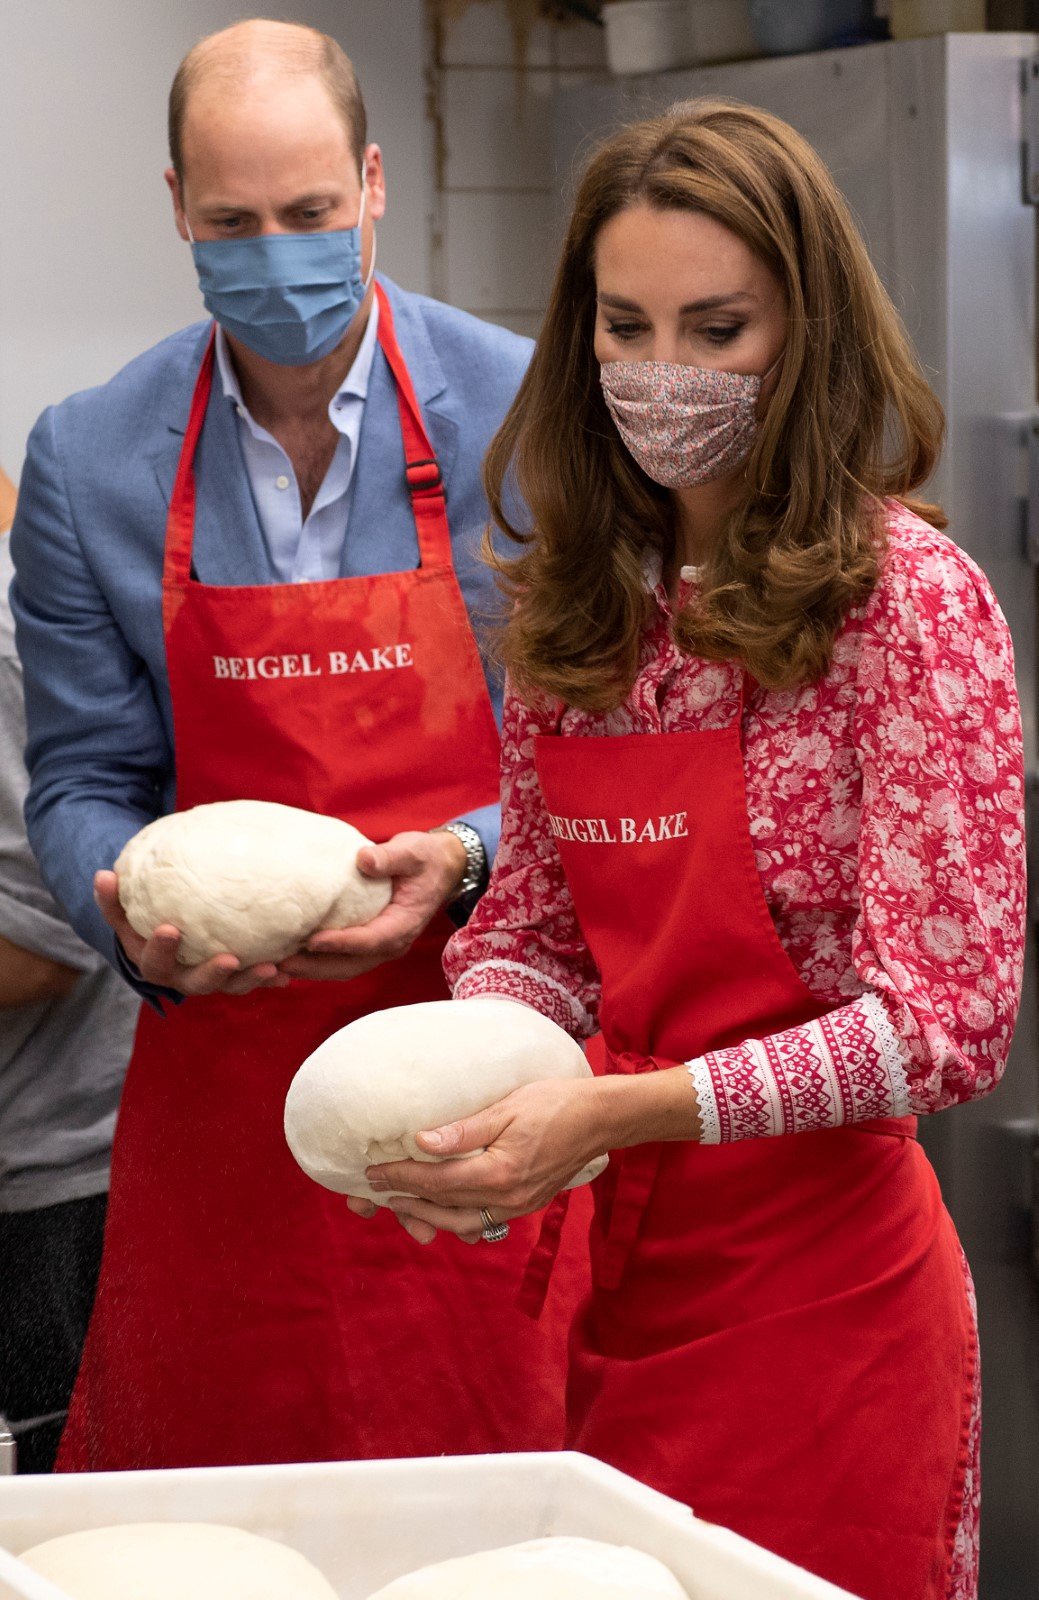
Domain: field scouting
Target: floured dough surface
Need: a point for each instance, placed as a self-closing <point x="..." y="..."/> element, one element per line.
<point x="176" y="1561"/>
<point x="246" y="876"/>
<point x="543" y="1569"/>
<point x="364" y="1094"/>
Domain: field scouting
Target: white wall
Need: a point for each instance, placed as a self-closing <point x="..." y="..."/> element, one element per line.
<point x="497" y="238"/>
<point x="91" y="269"/>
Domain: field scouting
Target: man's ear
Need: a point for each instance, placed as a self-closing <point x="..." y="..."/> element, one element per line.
<point x="375" y="179"/>
<point x="173" y="185"/>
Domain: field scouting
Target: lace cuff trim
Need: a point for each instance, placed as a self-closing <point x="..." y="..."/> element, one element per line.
<point x="700" y="1073"/>
<point x="893" y="1049"/>
<point x="514" y="981"/>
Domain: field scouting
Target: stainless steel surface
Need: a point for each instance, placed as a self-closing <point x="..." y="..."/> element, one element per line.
<point x="8" y="1451"/>
<point x="927" y="140"/>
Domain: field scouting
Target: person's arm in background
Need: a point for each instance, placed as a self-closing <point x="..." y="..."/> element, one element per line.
<point x="28" y="917"/>
<point x="26" y="978"/>
<point x="8" y="500"/>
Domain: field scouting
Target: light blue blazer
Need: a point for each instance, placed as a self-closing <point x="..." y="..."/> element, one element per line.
<point x="88" y="548"/>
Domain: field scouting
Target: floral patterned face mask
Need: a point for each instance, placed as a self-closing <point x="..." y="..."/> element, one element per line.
<point x="684" y="425"/>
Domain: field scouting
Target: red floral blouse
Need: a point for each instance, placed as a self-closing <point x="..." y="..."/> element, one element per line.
<point x="886" y="808"/>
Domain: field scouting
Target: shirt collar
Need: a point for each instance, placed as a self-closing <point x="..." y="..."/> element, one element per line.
<point x="354" y="385"/>
<point x="653" y="571"/>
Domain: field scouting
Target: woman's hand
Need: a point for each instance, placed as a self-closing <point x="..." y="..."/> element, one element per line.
<point x="533" y="1142"/>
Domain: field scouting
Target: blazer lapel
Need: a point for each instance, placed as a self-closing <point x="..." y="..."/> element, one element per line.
<point x="229" y="545"/>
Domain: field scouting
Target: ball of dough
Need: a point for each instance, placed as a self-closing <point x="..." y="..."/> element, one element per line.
<point x="365" y="1093"/>
<point x="176" y="1561"/>
<point x="543" y="1569"/>
<point x="246" y="876"/>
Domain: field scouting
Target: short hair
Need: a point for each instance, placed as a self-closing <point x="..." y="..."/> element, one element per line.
<point x="314" y="52"/>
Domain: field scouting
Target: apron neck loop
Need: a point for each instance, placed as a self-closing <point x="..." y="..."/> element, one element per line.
<point x="180" y="531"/>
<point x="421" y="468"/>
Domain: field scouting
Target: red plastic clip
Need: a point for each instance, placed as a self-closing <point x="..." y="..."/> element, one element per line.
<point x="423" y="476"/>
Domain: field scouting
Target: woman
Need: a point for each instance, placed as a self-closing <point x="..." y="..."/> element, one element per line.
<point x="763" y="798"/>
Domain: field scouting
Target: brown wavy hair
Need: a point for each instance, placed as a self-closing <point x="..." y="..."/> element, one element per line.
<point x="852" y="421"/>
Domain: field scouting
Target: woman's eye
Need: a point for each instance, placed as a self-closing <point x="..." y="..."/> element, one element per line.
<point x="624" y="330"/>
<point x="723" y="335"/>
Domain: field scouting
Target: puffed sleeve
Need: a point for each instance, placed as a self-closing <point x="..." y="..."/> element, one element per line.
<point x="522" y="941"/>
<point x="938" y="945"/>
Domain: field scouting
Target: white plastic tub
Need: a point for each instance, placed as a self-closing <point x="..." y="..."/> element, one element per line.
<point x="660" y="35"/>
<point x="647" y="35"/>
<point x="363" y="1523"/>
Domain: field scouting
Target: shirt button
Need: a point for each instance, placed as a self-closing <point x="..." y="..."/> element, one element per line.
<point x="281" y="482"/>
<point x="240" y="410"/>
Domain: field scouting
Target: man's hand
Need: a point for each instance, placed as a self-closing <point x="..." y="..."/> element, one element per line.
<point x="426" y="869"/>
<point x="156" y="958"/>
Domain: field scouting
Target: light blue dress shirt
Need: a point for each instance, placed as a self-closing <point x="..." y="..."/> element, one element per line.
<point x="309" y="551"/>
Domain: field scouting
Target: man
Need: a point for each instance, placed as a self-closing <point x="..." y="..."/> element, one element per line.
<point x="275" y="494"/>
<point x="66" y="1029"/>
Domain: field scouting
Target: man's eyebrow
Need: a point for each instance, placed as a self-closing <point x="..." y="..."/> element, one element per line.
<point x="298" y="202"/>
<point x="309" y="199"/>
<point x="712" y="302"/>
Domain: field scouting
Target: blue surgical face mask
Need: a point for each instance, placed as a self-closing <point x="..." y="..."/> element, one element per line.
<point x="289" y="297"/>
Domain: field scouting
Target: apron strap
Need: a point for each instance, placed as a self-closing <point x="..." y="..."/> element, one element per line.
<point x="422" y="470"/>
<point x="636" y="1175"/>
<point x="638" y="1166"/>
<point x="180" y="523"/>
<point x="542" y="1259"/>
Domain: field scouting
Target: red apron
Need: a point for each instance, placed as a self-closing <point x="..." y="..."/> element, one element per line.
<point x="778" y="1332"/>
<point x="244" y="1314"/>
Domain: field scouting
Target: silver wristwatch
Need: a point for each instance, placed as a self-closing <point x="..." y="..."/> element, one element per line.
<point x="475" y="878"/>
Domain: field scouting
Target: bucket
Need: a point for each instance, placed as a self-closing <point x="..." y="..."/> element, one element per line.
<point x="648" y="35"/>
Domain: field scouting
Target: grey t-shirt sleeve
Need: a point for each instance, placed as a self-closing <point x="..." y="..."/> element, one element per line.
<point x="29" y="917"/>
<point x="62" y="1061"/>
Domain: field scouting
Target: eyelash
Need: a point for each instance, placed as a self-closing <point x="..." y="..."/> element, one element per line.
<point x="715" y="336"/>
<point x="721" y="336"/>
<point x="311" y="215"/>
